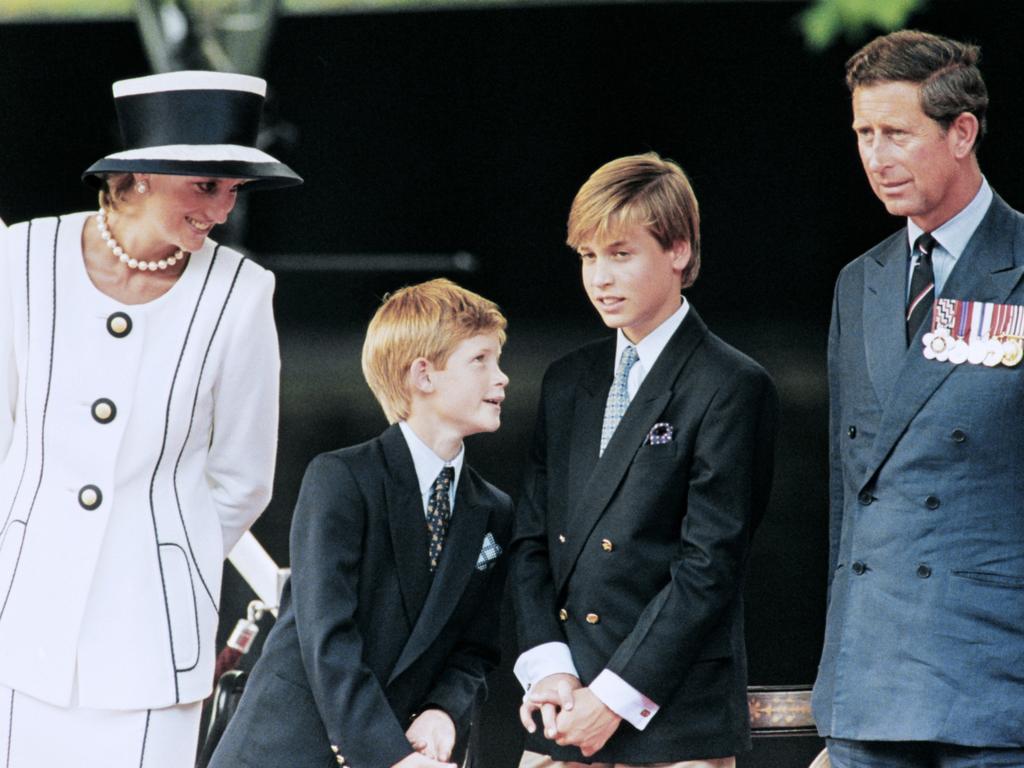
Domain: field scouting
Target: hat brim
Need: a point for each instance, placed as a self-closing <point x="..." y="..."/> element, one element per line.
<point x="260" y="169"/>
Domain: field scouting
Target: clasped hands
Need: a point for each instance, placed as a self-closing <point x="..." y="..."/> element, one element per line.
<point x="571" y="714"/>
<point x="432" y="735"/>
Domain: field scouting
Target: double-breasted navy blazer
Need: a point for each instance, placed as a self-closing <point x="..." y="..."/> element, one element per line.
<point x="366" y="636"/>
<point x="635" y="559"/>
<point x="925" y="630"/>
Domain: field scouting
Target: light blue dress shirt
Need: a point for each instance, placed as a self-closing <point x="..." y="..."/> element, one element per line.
<point x="951" y="238"/>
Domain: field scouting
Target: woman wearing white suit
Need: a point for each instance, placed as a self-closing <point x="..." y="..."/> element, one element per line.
<point x="138" y="419"/>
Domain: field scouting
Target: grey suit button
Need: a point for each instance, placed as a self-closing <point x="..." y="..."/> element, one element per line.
<point x="90" y="497"/>
<point x="865" y="498"/>
<point x="924" y="571"/>
<point x="851" y="431"/>
<point x="958" y="435"/>
<point x="858" y="568"/>
<point x="932" y="502"/>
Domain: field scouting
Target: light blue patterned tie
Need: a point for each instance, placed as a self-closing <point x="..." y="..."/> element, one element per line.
<point x="618" y="396"/>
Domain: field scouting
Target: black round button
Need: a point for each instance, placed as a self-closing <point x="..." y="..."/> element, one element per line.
<point x="958" y="435"/>
<point x="932" y="502"/>
<point x="104" y="410"/>
<point x="923" y="571"/>
<point x="859" y="568"/>
<point x="119" y="325"/>
<point x="851" y="431"/>
<point x="90" y="497"/>
<point x="865" y="498"/>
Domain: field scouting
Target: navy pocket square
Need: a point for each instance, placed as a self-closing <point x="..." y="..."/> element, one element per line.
<point x="488" y="553"/>
<point x="660" y="434"/>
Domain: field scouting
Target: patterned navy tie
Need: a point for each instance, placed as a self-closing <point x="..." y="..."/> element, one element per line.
<point x="922" y="286"/>
<point x="618" y="396"/>
<point x="439" y="512"/>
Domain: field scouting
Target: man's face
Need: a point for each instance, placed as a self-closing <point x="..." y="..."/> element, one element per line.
<point x="910" y="160"/>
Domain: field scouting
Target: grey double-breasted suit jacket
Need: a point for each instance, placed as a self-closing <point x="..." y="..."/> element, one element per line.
<point x="925" y="631"/>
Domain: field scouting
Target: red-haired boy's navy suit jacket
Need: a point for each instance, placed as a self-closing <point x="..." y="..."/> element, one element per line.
<point x="366" y="636"/>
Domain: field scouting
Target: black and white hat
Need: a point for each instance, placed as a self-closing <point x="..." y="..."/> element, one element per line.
<point x="193" y="124"/>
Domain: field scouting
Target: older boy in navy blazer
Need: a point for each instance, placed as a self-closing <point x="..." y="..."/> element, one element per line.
<point x="650" y="469"/>
<point x="388" y="624"/>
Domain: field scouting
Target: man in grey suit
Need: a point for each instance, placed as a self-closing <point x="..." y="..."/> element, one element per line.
<point x="923" y="663"/>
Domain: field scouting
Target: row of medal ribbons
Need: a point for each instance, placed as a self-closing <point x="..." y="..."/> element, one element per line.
<point x="975" y="332"/>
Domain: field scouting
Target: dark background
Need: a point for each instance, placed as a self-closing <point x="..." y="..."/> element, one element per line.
<point x="470" y="131"/>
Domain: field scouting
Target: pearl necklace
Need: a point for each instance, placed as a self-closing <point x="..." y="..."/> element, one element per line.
<point x="124" y="258"/>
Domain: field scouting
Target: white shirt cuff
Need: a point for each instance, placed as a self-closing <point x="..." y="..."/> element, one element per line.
<point x="623" y="699"/>
<point x="543" y="660"/>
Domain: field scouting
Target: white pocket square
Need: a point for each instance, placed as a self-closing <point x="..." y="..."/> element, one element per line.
<point x="488" y="553"/>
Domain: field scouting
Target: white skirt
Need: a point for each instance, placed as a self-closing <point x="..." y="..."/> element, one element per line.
<point x="34" y="734"/>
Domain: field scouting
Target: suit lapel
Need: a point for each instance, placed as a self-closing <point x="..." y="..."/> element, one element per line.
<point x="406" y="522"/>
<point x="588" y="416"/>
<point x="885" y="289"/>
<point x="458" y="560"/>
<point x="987" y="270"/>
<point x="643" y="411"/>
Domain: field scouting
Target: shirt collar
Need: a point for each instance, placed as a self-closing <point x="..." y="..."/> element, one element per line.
<point x="648" y="349"/>
<point x="427" y="463"/>
<point x="954" y="235"/>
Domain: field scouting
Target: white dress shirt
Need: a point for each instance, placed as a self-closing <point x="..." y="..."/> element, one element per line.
<point x="555" y="658"/>
<point x="429" y="465"/>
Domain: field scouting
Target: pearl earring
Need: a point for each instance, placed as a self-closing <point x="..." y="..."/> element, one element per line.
<point x="142" y="187"/>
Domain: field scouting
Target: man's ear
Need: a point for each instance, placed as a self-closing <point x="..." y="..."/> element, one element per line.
<point x="420" y="375"/>
<point x="963" y="134"/>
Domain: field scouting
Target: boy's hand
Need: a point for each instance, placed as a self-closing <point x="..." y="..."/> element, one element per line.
<point x="416" y="760"/>
<point x="432" y="734"/>
<point x="588" y="725"/>
<point x="549" y="694"/>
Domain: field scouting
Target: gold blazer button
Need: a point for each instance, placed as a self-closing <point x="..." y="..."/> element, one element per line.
<point x="606" y="545"/>
<point x="563" y="614"/>
<point x="593" y="618"/>
<point x="561" y="538"/>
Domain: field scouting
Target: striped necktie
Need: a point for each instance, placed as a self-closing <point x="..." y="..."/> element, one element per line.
<point x="922" y="285"/>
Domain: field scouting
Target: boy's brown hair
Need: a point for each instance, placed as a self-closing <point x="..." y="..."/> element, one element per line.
<point x="427" y="320"/>
<point x="639" y="189"/>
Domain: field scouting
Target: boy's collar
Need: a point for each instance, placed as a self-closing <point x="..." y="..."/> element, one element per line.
<point x="428" y="464"/>
<point x="650" y="346"/>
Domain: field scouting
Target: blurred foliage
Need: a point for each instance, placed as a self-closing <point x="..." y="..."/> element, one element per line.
<point x="827" y="20"/>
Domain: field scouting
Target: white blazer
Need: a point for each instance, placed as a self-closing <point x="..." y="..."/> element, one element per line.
<point x="137" y="444"/>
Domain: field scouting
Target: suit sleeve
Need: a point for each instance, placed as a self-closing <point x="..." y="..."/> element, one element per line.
<point x="240" y="465"/>
<point x="8" y="368"/>
<point x="478" y="650"/>
<point x="835" y="469"/>
<point x="728" y="486"/>
<point x="326" y="548"/>
<point x="532" y="582"/>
